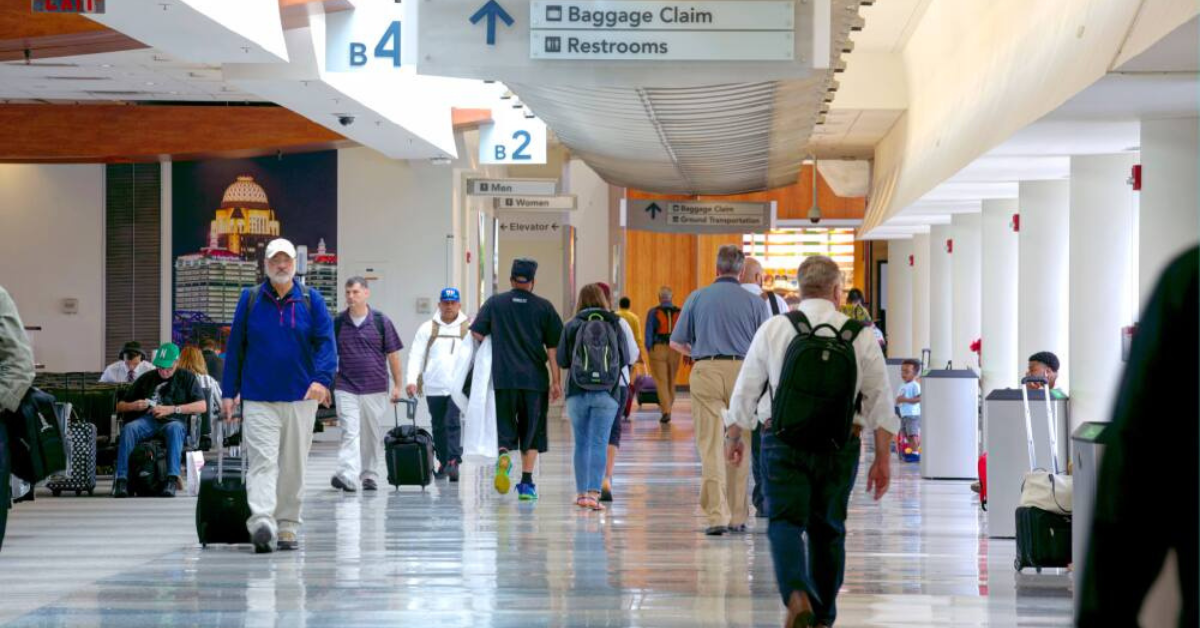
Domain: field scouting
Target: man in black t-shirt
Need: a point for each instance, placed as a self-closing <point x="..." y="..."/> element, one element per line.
<point x="525" y="330"/>
<point x="164" y="397"/>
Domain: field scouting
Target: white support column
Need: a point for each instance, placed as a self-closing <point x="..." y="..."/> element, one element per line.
<point x="1169" y="213"/>
<point x="998" y="319"/>
<point x="941" y="296"/>
<point x="899" y="306"/>
<point x="1100" y="269"/>
<point x="920" y="294"/>
<point x="967" y="275"/>
<point x="1042" y="281"/>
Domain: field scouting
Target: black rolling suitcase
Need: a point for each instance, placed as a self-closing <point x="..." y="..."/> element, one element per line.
<point x="409" y="451"/>
<point x="80" y="449"/>
<point x="646" y="390"/>
<point x="1043" y="537"/>
<point x="222" y="508"/>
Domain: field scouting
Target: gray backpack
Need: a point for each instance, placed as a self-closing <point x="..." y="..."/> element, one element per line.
<point x="597" y="358"/>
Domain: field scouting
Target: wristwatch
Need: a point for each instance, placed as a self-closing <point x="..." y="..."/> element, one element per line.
<point x="176" y="410"/>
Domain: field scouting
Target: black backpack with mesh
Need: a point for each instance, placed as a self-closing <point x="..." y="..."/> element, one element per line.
<point x="813" y="407"/>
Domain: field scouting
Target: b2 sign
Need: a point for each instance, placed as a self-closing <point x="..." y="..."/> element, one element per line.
<point x="513" y="140"/>
<point x="367" y="37"/>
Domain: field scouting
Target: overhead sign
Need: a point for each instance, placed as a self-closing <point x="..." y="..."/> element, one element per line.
<point x="68" y="6"/>
<point x="512" y="187"/>
<point x="527" y="203"/>
<point x="535" y="226"/>
<point x="367" y="37"/>
<point x="512" y="139"/>
<point x="610" y="43"/>
<point x="697" y="216"/>
<point x="750" y="30"/>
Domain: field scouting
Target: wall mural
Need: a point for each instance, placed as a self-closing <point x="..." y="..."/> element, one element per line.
<point x="225" y="211"/>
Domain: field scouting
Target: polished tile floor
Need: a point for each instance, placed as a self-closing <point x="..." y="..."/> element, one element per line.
<point x="460" y="555"/>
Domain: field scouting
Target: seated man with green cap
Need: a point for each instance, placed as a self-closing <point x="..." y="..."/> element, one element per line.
<point x="164" y="397"/>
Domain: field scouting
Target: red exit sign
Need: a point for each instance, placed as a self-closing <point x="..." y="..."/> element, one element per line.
<point x="68" y="6"/>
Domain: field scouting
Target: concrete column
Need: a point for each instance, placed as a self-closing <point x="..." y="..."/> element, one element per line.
<point x="966" y="276"/>
<point x="1169" y="213"/>
<point x="941" y="296"/>
<point x="1043" y="244"/>
<point x="1100" y="276"/>
<point x="998" y="319"/>
<point x="899" y="301"/>
<point x="920" y="293"/>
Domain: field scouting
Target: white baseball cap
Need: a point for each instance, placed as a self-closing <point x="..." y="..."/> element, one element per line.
<point x="280" y="245"/>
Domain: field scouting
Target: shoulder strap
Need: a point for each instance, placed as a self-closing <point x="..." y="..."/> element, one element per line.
<point x="245" y="328"/>
<point x="850" y="330"/>
<point x="800" y="323"/>
<point x="433" y="336"/>
<point x="337" y="323"/>
<point x="770" y="299"/>
<point x="377" y="316"/>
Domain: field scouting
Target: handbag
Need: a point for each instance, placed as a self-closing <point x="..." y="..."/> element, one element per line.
<point x="1048" y="491"/>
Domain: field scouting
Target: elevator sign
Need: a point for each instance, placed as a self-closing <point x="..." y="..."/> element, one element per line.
<point x="750" y="30"/>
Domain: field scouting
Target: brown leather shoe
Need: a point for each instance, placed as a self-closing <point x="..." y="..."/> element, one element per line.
<point x="799" y="611"/>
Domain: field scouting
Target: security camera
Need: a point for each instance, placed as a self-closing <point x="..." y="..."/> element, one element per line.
<point x="814" y="215"/>
<point x="345" y="119"/>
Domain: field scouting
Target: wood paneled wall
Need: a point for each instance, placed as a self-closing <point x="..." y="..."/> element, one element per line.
<point x="686" y="262"/>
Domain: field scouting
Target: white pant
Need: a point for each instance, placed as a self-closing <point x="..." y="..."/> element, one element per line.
<point x="362" y="435"/>
<point x="277" y="438"/>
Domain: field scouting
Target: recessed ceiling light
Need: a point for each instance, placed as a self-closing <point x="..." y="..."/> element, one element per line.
<point x="149" y="83"/>
<point x="106" y="65"/>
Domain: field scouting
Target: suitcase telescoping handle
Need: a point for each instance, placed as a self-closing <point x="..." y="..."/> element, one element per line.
<point x="410" y="410"/>
<point x="221" y="451"/>
<point x="1051" y="420"/>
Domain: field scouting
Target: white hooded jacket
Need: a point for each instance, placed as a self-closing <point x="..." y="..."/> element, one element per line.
<point x="443" y="355"/>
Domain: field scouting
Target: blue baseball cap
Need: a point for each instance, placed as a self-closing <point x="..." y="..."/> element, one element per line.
<point x="450" y="294"/>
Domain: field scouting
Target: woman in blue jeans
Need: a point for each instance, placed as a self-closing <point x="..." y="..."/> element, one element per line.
<point x="593" y="351"/>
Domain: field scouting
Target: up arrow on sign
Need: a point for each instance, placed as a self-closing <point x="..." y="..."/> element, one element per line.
<point x="491" y="11"/>
<point x="653" y="210"/>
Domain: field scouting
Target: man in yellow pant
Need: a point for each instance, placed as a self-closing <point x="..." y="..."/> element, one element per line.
<point x="664" y="362"/>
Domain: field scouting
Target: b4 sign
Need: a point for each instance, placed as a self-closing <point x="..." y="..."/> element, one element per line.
<point x="513" y="140"/>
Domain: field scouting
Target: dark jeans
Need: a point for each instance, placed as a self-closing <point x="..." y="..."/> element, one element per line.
<point x="447" y="430"/>
<point x="756" y="467"/>
<point x="5" y="469"/>
<point x="809" y="492"/>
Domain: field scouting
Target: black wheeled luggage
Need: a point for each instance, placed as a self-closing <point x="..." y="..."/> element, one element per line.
<point x="80" y="449"/>
<point x="645" y="389"/>
<point x="222" y="508"/>
<point x="1043" y="537"/>
<point x="409" y="451"/>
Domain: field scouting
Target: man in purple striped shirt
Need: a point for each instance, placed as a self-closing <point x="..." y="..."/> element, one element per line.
<point x="367" y="345"/>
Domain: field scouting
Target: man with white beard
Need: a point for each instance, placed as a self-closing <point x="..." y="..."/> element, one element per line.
<point x="281" y="361"/>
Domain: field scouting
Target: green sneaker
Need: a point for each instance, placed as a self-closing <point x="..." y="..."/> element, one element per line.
<point x="503" y="479"/>
<point x="527" y="492"/>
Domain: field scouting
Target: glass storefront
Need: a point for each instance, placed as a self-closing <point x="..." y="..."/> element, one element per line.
<point x="781" y="252"/>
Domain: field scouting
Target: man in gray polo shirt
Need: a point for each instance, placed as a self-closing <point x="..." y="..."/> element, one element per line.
<point x="715" y="330"/>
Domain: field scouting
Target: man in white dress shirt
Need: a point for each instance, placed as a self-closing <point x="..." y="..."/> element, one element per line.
<point x="808" y="489"/>
<point x="131" y="364"/>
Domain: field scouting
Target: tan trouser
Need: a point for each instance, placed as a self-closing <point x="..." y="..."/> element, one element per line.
<point x="361" y="419"/>
<point x="664" y="367"/>
<point x="723" y="495"/>
<point x="277" y="438"/>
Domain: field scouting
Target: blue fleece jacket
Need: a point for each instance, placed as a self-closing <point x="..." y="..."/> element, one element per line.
<point x="287" y="347"/>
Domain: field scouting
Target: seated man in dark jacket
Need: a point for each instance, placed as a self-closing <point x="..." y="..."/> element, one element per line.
<point x="164" y="397"/>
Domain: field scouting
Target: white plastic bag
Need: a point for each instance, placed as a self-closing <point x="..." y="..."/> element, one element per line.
<point x="479" y="416"/>
<point x="195" y="462"/>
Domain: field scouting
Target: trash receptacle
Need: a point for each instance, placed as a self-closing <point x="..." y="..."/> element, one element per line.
<point x="1087" y="449"/>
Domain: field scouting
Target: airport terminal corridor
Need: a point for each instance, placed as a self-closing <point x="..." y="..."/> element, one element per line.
<point x="461" y="555"/>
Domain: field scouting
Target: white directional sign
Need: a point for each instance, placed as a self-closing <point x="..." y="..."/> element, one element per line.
<point x="698" y="216"/>
<point x="749" y="30"/>
<point x="613" y="43"/>
<point x="512" y="187"/>
<point x="535" y="203"/>
<point x="534" y="226"/>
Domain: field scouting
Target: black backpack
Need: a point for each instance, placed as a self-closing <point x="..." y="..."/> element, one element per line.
<point x="596" y="359"/>
<point x="148" y="469"/>
<point x="813" y="408"/>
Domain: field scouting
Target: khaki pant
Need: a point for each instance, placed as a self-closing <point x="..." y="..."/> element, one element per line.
<point x="277" y="437"/>
<point x="664" y="367"/>
<point x="723" y="494"/>
<point x="361" y="451"/>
